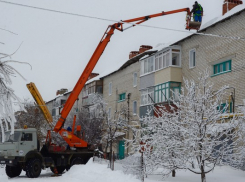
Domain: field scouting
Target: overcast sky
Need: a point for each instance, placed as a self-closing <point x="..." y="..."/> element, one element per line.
<point x="58" y="46"/>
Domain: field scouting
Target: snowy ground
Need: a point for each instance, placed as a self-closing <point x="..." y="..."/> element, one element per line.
<point x="220" y="174"/>
<point x="95" y="172"/>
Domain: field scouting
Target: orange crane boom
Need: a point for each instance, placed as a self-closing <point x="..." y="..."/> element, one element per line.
<point x="73" y="140"/>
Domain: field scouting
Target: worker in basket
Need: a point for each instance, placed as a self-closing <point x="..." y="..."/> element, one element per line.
<point x="197" y="12"/>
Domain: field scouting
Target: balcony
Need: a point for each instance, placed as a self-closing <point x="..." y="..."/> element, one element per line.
<point x="168" y="74"/>
<point x="89" y="100"/>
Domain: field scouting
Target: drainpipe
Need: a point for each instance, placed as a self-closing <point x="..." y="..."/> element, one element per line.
<point x="233" y="98"/>
<point x="129" y="94"/>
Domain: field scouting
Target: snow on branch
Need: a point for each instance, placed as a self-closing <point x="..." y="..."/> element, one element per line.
<point x="7" y="96"/>
<point x="192" y="133"/>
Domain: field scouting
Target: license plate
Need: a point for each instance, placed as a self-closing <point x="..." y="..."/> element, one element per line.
<point x="2" y="162"/>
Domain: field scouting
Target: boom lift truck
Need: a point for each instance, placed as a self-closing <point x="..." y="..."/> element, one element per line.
<point x="21" y="152"/>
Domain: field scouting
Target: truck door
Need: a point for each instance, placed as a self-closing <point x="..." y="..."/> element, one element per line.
<point x="27" y="143"/>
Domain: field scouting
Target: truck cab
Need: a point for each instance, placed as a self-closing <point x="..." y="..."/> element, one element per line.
<point x="15" y="149"/>
<point x="18" y="144"/>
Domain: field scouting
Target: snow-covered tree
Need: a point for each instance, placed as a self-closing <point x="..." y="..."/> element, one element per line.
<point x="196" y="134"/>
<point x="7" y="96"/>
<point x="90" y="119"/>
<point x="114" y="128"/>
<point x="33" y="118"/>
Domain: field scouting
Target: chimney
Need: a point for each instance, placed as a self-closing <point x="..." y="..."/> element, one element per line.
<point x="92" y="75"/>
<point x="144" y="48"/>
<point x="61" y="91"/>
<point x="229" y="4"/>
<point x="133" y="54"/>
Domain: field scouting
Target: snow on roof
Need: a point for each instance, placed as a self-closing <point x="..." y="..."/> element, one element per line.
<point x="145" y="56"/>
<point x="220" y="18"/>
<point x="130" y="61"/>
<point x="106" y="72"/>
<point x="161" y="46"/>
<point x="216" y="20"/>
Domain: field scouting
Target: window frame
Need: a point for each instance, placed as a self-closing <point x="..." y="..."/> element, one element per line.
<point x="191" y="64"/>
<point x="161" y="60"/>
<point x="163" y="91"/>
<point x="122" y="97"/>
<point x="110" y="88"/>
<point x="144" y="96"/>
<point x="229" y="108"/>
<point x="217" y="70"/>
<point x="135" y="107"/>
<point x="27" y="137"/>
<point x="147" y="65"/>
<point x="54" y="112"/>
<point x="135" y="79"/>
<point x="178" y="60"/>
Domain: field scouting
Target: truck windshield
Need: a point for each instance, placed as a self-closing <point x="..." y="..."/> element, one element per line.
<point x="11" y="138"/>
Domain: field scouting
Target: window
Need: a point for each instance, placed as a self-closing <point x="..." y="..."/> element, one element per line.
<point x="109" y="113"/>
<point x="167" y="59"/>
<point x="99" y="89"/>
<point x="156" y="63"/>
<point x="147" y="96"/>
<point x="163" y="60"/>
<point x="171" y="57"/>
<point x="147" y="65"/>
<point x="225" y="108"/>
<point x="54" y="112"/>
<point x="135" y="107"/>
<point x="167" y="90"/>
<point x="175" y="89"/>
<point x="26" y="137"/>
<point x="122" y="97"/>
<point x="160" y="61"/>
<point x="62" y="102"/>
<point x="192" y="58"/>
<point x="135" y="80"/>
<point x="110" y="88"/>
<point x="175" y="58"/>
<point x="222" y="67"/>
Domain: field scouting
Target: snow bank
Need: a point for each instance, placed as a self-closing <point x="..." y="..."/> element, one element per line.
<point x="91" y="172"/>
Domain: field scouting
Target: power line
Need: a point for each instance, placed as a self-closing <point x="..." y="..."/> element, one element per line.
<point x="115" y="21"/>
<point x="57" y="11"/>
<point x="8" y="31"/>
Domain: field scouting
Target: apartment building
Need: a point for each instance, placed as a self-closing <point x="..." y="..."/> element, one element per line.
<point x="221" y="51"/>
<point x="223" y="56"/>
<point x="93" y="86"/>
<point x="121" y="91"/>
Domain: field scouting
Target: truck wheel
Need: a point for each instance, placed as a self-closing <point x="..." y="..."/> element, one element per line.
<point x="33" y="168"/>
<point x="13" y="171"/>
<point x="60" y="169"/>
<point x="75" y="161"/>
